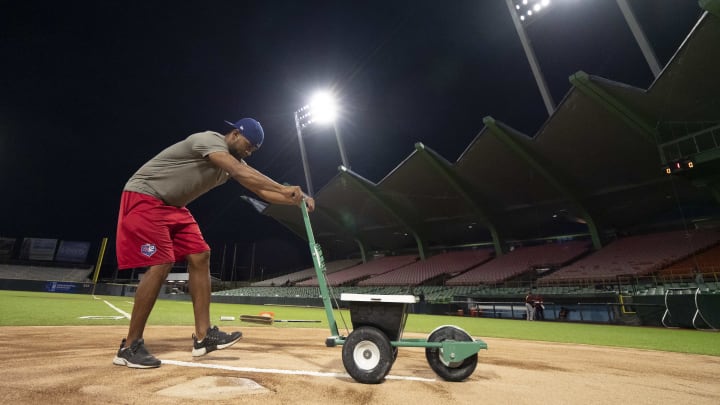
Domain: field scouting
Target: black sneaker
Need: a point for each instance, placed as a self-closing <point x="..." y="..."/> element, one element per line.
<point x="215" y="339"/>
<point x="135" y="356"/>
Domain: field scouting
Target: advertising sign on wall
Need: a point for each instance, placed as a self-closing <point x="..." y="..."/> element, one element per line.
<point x="72" y="251"/>
<point x="38" y="249"/>
<point x="6" y="247"/>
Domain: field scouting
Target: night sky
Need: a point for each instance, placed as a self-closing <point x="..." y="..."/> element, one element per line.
<point x="91" y="90"/>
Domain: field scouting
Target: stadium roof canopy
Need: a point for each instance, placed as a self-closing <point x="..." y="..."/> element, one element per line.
<point x="597" y="166"/>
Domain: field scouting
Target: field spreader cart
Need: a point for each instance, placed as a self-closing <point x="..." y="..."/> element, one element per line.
<point x="378" y="321"/>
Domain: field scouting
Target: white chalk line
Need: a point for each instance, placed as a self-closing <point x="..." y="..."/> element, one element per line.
<point x="268" y="370"/>
<point x="285" y="372"/>
<point x="120" y="311"/>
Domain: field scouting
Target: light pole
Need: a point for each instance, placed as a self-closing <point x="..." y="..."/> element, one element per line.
<point x="640" y="38"/>
<point x="322" y="109"/>
<point x="341" y="147"/>
<point x="522" y="11"/>
<point x="530" y="55"/>
<point x="300" y="114"/>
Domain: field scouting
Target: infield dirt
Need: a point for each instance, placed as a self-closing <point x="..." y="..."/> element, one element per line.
<point x="73" y="365"/>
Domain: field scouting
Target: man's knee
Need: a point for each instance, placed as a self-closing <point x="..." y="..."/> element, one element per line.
<point x="161" y="270"/>
<point x="199" y="260"/>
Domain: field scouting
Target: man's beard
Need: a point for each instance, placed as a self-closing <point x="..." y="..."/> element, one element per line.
<point x="236" y="154"/>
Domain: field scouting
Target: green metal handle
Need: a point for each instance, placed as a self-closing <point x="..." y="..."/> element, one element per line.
<point x="319" y="264"/>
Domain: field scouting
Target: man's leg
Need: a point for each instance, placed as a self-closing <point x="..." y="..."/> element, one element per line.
<point x="132" y="352"/>
<point x="145" y="297"/>
<point x="205" y="339"/>
<point x="199" y="284"/>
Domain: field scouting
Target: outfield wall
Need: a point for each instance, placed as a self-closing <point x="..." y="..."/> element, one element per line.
<point x="66" y="287"/>
<point x="692" y="311"/>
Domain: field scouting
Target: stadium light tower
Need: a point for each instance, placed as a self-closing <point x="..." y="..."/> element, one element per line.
<point x="523" y="11"/>
<point x="640" y="38"/>
<point x="520" y="10"/>
<point x="322" y="109"/>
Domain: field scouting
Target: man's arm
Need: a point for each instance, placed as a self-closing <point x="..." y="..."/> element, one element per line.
<point x="273" y="197"/>
<point x="265" y="187"/>
<point x="309" y="201"/>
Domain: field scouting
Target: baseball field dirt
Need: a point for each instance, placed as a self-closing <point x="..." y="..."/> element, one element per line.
<point x="271" y="365"/>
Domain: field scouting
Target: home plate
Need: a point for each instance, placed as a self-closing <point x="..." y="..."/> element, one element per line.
<point x="214" y="388"/>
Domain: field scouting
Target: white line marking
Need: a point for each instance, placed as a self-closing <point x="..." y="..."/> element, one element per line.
<point x="279" y="371"/>
<point x="120" y="311"/>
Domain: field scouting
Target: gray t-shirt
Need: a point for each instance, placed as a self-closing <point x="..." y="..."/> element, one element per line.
<point x="182" y="172"/>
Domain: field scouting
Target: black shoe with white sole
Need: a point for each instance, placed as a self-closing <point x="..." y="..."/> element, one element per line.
<point x="214" y="339"/>
<point x="135" y="355"/>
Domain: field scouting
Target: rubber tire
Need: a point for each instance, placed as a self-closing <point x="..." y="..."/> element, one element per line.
<point x="454" y="372"/>
<point x="367" y="355"/>
<point x="394" y="357"/>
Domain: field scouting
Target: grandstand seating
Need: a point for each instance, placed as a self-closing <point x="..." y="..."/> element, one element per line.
<point x="402" y="274"/>
<point x="355" y="273"/>
<point x="521" y="260"/>
<point x="330" y="267"/>
<point x="707" y="261"/>
<point x="433" y="294"/>
<point x="423" y="270"/>
<point x="43" y="273"/>
<point x="287" y="292"/>
<point x="635" y="255"/>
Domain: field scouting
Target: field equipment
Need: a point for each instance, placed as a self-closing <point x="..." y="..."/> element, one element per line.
<point x="269" y="320"/>
<point x="370" y="350"/>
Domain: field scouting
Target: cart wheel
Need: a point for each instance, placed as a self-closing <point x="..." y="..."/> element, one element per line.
<point x="367" y="355"/>
<point x="394" y="357"/>
<point x="452" y="371"/>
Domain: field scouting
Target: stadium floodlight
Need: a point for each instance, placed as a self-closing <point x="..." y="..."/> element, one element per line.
<point x="322" y="109"/>
<point x="527" y="10"/>
<point x="518" y="17"/>
<point x="523" y="12"/>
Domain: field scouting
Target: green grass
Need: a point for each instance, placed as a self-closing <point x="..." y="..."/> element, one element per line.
<point x="19" y="308"/>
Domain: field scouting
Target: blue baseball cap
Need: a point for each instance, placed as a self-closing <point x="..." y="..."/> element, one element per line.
<point x="250" y="129"/>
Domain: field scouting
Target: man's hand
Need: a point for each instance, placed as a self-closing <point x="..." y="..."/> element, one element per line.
<point x="294" y="193"/>
<point x="310" y="204"/>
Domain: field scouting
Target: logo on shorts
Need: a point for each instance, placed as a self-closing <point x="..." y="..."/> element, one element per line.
<point x="148" y="249"/>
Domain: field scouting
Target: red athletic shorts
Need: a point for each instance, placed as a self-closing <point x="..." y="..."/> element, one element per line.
<point x="149" y="232"/>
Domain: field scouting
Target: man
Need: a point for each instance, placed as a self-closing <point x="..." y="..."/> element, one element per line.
<point x="155" y="229"/>
<point x="539" y="308"/>
<point x="530" y="306"/>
